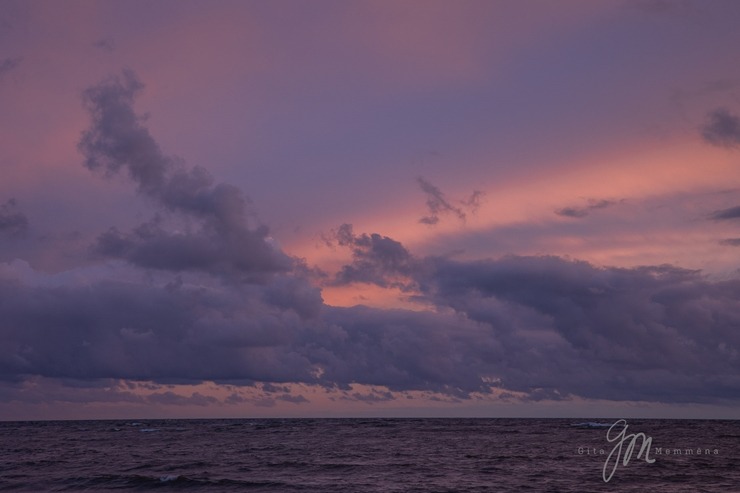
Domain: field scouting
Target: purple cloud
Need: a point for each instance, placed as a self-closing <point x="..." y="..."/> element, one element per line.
<point x="579" y="212"/>
<point x="724" y="214"/>
<point x="722" y="128"/>
<point x="209" y="297"/>
<point x="377" y="259"/>
<point x="12" y="221"/>
<point x="9" y="64"/>
<point x="118" y="142"/>
<point x="438" y="204"/>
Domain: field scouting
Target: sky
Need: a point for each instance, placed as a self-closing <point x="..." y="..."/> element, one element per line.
<point x="369" y="208"/>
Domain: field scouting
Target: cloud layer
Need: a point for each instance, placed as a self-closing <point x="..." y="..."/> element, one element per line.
<point x="544" y="326"/>
<point x="210" y="297"/>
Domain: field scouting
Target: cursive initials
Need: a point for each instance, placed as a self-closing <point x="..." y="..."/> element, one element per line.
<point x="616" y="452"/>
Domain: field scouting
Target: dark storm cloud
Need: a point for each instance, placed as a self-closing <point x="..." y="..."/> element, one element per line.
<point x="144" y="332"/>
<point x="294" y="293"/>
<point x="105" y="44"/>
<point x="189" y="334"/>
<point x="12" y="222"/>
<point x="438" y="204"/>
<point x="377" y="259"/>
<point x="723" y="214"/>
<point x="544" y="326"/>
<point x="722" y="128"/>
<point x="403" y="350"/>
<point x="659" y="330"/>
<point x="578" y="212"/>
<point x="554" y="327"/>
<point x="118" y="142"/>
<point x="151" y="246"/>
<point x="730" y="242"/>
<point x="9" y="64"/>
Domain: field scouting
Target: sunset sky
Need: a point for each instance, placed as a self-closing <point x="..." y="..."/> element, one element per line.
<point x="369" y="208"/>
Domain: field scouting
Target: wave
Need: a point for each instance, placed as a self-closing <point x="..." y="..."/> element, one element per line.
<point x="591" y="424"/>
<point x="145" y="482"/>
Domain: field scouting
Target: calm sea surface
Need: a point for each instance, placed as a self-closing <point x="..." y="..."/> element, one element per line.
<point x="364" y="455"/>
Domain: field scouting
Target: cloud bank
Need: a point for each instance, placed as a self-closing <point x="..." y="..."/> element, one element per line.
<point x="209" y="297"/>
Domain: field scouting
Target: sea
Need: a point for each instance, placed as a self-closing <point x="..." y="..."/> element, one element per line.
<point x="372" y="455"/>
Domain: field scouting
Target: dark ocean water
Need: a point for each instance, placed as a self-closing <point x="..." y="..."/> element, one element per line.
<point x="363" y="455"/>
